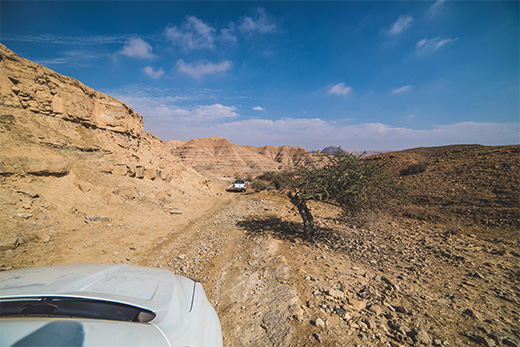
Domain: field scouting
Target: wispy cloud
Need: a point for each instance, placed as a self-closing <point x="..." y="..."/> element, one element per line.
<point x="78" y="58"/>
<point x="402" y="89"/>
<point x="258" y="108"/>
<point x="227" y="35"/>
<point x="400" y="25"/>
<point x="435" y="8"/>
<point x="203" y="68"/>
<point x="212" y="112"/>
<point x="137" y="48"/>
<point x="426" y="46"/>
<point x="67" y="40"/>
<point x="155" y="74"/>
<point x="193" y="34"/>
<point x="340" y="89"/>
<point x="261" y="23"/>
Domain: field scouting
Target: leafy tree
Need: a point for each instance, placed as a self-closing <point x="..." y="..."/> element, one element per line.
<point x="354" y="184"/>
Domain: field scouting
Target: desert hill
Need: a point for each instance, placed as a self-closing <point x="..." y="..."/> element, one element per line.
<point x="471" y="185"/>
<point x="218" y="155"/>
<point x="75" y="154"/>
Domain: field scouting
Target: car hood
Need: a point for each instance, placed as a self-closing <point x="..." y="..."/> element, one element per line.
<point x="149" y="288"/>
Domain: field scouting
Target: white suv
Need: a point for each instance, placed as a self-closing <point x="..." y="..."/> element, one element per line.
<point x="238" y="185"/>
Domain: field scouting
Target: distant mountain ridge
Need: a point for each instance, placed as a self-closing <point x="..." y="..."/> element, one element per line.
<point x="217" y="154"/>
<point x="364" y="154"/>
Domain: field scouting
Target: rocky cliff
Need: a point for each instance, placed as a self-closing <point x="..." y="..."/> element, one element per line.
<point x="218" y="155"/>
<point x="69" y="152"/>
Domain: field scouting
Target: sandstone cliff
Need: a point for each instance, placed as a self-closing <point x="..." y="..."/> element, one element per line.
<point x="69" y="151"/>
<point x="218" y="155"/>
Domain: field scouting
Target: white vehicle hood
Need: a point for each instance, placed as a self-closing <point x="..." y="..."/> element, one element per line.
<point x="134" y="285"/>
<point x="183" y="315"/>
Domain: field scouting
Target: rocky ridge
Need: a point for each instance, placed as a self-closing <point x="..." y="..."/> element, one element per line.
<point x="218" y="155"/>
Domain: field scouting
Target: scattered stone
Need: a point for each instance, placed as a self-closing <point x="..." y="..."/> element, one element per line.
<point x="340" y="311"/>
<point x="85" y="187"/>
<point x="357" y="305"/>
<point x="377" y="310"/>
<point x="319" y="323"/>
<point x="483" y="340"/>
<point x="24" y="215"/>
<point x="90" y="219"/>
<point x="44" y="238"/>
<point x="29" y="193"/>
<point x="174" y="211"/>
<point x="10" y="243"/>
<point x="337" y="294"/>
<point x="420" y="336"/>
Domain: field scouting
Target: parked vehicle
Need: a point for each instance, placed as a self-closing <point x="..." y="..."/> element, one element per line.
<point x="238" y="186"/>
<point x="104" y="305"/>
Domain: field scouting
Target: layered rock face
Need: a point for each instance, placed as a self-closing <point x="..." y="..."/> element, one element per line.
<point x="68" y="148"/>
<point x="42" y="91"/>
<point x="216" y="154"/>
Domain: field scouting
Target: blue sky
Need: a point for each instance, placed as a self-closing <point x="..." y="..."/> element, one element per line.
<point x="361" y="74"/>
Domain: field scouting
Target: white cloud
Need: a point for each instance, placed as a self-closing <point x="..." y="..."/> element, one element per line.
<point x="402" y="89"/>
<point x="159" y="105"/>
<point x="400" y="25"/>
<point x="260" y="23"/>
<point x="227" y="35"/>
<point x="137" y="48"/>
<point x="193" y="34"/>
<point x="258" y="108"/>
<point x="202" y="68"/>
<point x="213" y="112"/>
<point x="435" y="8"/>
<point x="155" y="74"/>
<point x="340" y="89"/>
<point x="190" y="116"/>
<point x="426" y="46"/>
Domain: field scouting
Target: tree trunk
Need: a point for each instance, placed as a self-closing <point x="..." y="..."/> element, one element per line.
<point x="307" y="218"/>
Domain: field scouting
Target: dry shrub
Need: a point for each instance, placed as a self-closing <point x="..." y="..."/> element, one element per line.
<point x="258" y="185"/>
<point x="414" y="169"/>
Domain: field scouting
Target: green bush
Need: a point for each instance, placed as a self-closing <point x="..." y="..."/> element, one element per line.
<point x="258" y="185"/>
